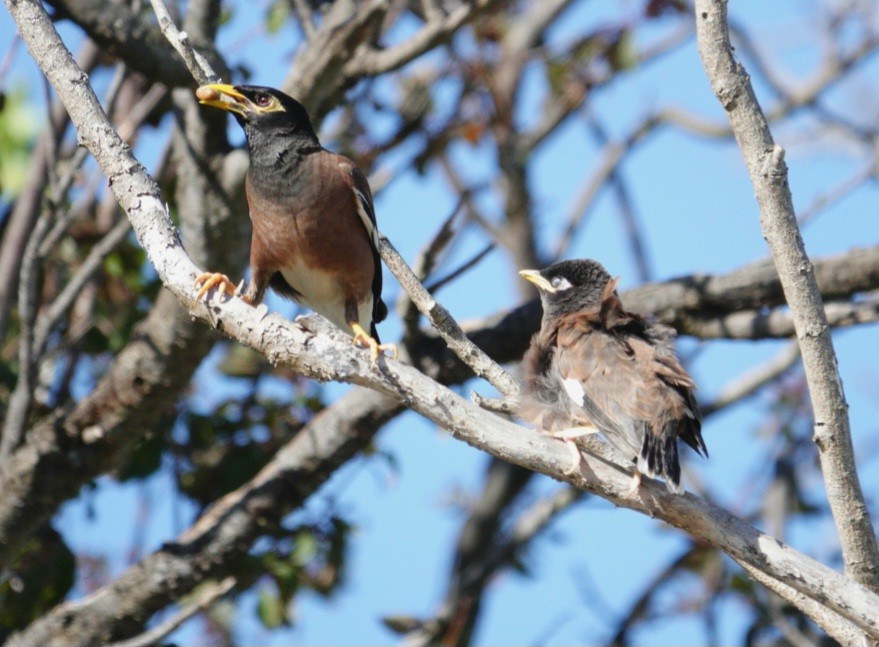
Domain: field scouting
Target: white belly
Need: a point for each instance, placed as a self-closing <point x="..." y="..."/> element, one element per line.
<point x="322" y="293"/>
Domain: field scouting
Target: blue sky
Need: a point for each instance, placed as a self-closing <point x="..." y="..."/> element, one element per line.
<point x="696" y="204"/>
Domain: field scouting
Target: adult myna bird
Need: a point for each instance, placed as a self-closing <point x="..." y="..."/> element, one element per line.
<point x="314" y="230"/>
<point x="593" y="366"/>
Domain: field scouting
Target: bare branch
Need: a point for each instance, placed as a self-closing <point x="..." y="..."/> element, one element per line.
<point x="197" y="64"/>
<point x="765" y="161"/>
<point x="838" y="192"/>
<point x="777" y="323"/>
<point x="746" y="385"/>
<point x="463" y="268"/>
<point x="631" y="225"/>
<point x="437" y="30"/>
<point x="451" y="625"/>
<point x="206" y="597"/>
<point x="423" y="267"/>
<point x="451" y="332"/>
<point x="306" y="18"/>
<point x="612" y="157"/>
<point x="841" y="630"/>
<point x="21" y="221"/>
<point x="130" y="35"/>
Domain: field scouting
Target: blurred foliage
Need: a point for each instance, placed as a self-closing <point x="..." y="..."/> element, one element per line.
<point x="19" y="123"/>
<point x="312" y="557"/>
<point x="41" y="576"/>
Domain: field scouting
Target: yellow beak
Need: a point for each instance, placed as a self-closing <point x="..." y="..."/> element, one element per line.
<point x="535" y="277"/>
<point x="222" y="96"/>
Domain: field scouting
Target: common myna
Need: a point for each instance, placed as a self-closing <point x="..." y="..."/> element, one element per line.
<point x="593" y="366"/>
<point x="314" y="230"/>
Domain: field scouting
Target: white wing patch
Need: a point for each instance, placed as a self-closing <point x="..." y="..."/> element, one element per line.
<point x="574" y="390"/>
<point x="362" y="202"/>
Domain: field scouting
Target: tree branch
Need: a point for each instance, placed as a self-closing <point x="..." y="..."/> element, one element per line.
<point x="198" y="65"/>
<point x="765" y="161"/>
<point x="446" y="326"/>
<point x="138" y="42"/>
<point x="206" y="598"/>
<point x="434" y="32"/>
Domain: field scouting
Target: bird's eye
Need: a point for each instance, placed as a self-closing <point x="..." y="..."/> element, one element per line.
<point x="559" y="283"/>
<point x="262" y="100"/>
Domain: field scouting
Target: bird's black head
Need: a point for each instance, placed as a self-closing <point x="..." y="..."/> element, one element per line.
<point x="266" y="114"/>
<point x="569" y="286"/>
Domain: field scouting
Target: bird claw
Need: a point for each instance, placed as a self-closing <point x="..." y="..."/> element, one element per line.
<point x="365" y="340"/>
<point x="568" y="436"/>
<point x="634" y="486"/>
<point x="574" y="432"/>
<point x="576" y="457"/>
<point x="210" y="280"/>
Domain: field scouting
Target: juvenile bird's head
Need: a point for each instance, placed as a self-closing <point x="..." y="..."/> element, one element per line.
<point x="569" y="286"/>
<point x="265" y="114"/>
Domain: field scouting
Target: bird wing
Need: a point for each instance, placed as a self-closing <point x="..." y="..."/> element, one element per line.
<point x="366" y="211"/>
<point x="602" y="374"/>
<point x="365" y="208"/>
<point x="623" y="371"/>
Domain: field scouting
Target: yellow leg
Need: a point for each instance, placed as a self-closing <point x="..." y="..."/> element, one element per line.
<point x="363" y="338"/>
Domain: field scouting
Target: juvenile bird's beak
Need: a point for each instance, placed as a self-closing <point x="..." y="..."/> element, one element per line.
<point x="224" y="97"/>
<point x="538" y="280"/>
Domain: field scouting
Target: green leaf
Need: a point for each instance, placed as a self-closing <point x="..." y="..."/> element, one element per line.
<point x="270" y="610"/>
<point x="277" y="16"/>
<point x="19" y="123"/>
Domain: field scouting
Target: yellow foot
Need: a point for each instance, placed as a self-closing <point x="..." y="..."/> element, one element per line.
<point x="209" y="280"/>
<point x="576" y="458"/>
<point x="365" y="340"/>
<point x="568" y="436"/>
<point x="573" y="432"/>
<point x="636" y="483"/>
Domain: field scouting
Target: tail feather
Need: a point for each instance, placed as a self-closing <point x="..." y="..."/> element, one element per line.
<point x="659" y="457"/>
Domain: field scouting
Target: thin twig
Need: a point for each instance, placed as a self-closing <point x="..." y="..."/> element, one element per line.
<point x="8" y="58"/>
<point x="837" y="193"/>
<point x="197" y="64"/>
<point x="306" y="18"/>
<point x="631" y="225"/>
<point x="424" y="265"/>
<point x="22" y="396"/>
<point x="446" y="326"/>
<point x="746" y="385"/>
<point x="612" y="156"/>
<point x="528" y="526"/>
<point x="371" y="62"/>
<point x="49" y="319"/>
<point x="463" y="268"/>
<point x="207" y="596"/>
<point x="497" y="405"/>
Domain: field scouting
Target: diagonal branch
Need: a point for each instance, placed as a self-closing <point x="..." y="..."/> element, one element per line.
<point x="765" y="161"/>
<point x="198" y="65"/>
<point x="315" y="349"/>
<point x="446" y="326"/>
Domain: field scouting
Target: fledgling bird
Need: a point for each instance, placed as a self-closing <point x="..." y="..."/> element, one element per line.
<point x="314" y="230"/>
<point x="593" y="366"/>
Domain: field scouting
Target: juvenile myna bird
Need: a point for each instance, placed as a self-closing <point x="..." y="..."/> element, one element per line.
<point x="593" y="366"/>
<point x="314" y="230"/>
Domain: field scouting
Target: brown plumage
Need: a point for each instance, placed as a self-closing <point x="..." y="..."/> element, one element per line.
<point x="593" y="364"/>
<point x="314" y="230"/>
